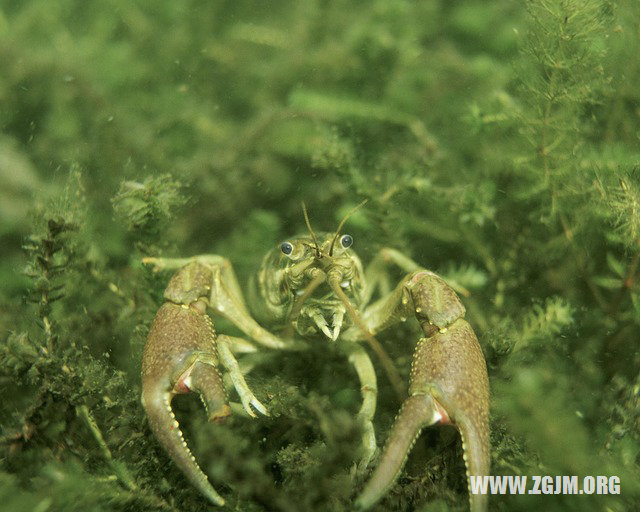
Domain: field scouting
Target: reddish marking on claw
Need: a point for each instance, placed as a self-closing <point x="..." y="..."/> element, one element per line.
<point x="181" y="387"/>
<point x="444" y="416"/>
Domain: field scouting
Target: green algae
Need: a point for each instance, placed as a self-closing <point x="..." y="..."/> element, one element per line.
<point x="496" y="142"/>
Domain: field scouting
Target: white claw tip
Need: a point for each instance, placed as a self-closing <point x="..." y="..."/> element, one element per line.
<point x="259" y="407"/>
<point x="326" y="331"/>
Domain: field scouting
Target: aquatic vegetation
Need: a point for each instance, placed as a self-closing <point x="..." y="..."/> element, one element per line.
<point x="497" y="144"/>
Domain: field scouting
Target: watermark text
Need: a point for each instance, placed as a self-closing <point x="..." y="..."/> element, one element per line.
<point x="544" y="484"/>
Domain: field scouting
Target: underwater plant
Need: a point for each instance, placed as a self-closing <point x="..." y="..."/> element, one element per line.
<point x="497" y="145"/>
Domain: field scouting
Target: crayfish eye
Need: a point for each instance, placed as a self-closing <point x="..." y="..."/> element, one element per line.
<point x="286" y="248"/>
<point x="346" y="241"/>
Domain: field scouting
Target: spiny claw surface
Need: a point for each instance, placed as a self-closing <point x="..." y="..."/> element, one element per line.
<point x="250" y="402"/>
<point x="181" y="356"/>
<point x="449" y="384"/>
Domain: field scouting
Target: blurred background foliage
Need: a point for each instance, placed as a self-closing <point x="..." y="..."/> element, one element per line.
<point x="497" y="143"/>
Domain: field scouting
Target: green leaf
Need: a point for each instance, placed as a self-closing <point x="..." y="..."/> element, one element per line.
<point x="612" y="283"/>
<point x="616" y="265"/>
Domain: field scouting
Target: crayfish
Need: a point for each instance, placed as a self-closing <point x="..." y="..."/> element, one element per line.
<point x="314" y="286"/>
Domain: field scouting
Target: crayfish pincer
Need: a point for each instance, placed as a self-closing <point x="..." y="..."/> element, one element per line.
<point x="448" y="385"/>
<point x="313" y="288"/>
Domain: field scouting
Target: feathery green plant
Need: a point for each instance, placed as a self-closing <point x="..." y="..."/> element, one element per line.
<point x="497" y="143"/>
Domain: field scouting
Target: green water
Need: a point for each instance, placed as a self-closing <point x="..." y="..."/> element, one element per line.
<point x="496" y="143"/>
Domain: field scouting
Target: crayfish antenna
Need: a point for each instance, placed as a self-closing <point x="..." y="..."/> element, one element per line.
<point x="385" y="360"/>
<point x="344" y="219"/>
<point x="313" y="235"/>
<point x="300" y="300"/>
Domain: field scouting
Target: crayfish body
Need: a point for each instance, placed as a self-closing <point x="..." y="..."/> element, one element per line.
<point x="315" y="286"/>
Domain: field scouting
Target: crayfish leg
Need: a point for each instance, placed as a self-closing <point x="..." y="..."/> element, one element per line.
<point x="449" y="384"/>
<point x="167" y="431"/>
<point x="180" y="356"/>
<point x="451" y="367"/>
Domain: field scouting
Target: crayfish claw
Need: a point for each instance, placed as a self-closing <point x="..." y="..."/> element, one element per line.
<point x="417" y="412"/>
<point x="448" y="384"/>
<point x="205" y="379"/>
<point x="167" y="431"/>
<point x="181" y="356"/>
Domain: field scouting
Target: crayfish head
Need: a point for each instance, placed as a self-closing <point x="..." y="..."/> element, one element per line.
<point x="314" y="282"/>
<point x="313" y="271"/>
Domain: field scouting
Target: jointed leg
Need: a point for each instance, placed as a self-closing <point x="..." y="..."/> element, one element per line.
<point x="225" y="297"/>
<point x="361" y="362"/>
<point x="377" y="276"/>
<point x="227" y="359"/>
